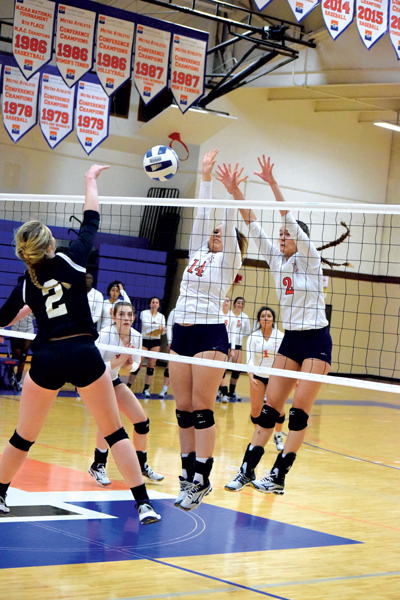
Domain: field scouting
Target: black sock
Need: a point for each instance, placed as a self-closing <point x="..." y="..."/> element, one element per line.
<point x="224" y="390"/>
<point x="188" y="463"/>
<point x="232" y="388"/>
<point x="3" y="489"/>
<point x="142" y="457"/>
<point x="140" y="494"/>
<point x="100" y="458"/>
<point x="129" y="385"/>
<point x="18" y="376"/>
<point x="146" y="386"/>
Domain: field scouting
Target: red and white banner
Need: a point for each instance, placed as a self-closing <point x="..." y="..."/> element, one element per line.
<point x="394" y="25"/>
<point x="74" y="43"/>
<point x="113" y="52"/>
<point x="152" y="48"/>
<point x="187" y="70"/>
<point x="56" y="109"/>
<point x="19" y="102"/>
<point x="33" y="34"/>
<point x="92" y="115"/>
<point x="301" y="8"/>
<point x="338" y="15"/>
<point x="372" y="20"/>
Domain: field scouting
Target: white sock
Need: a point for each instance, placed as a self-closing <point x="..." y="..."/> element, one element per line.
<point x="165" y="388"/>
<point x="101" y="450"/>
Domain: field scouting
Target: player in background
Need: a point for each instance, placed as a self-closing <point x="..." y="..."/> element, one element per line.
<point x="95" y="299"/>
<point x="64" y="349"/>
<point x="170" y="325"/>
<point x="239" y="329"/>
<point x="121" y="333"/>
<point x="115" y="289"/>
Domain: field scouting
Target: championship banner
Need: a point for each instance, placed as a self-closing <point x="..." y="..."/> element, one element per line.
<point x="19" y="102"/>
<point x="372" y="20"/>
<point x="92" y="114"/>
<point x="33" y="34"/>
<point x="113" y="52"/>
<point x="152" y="48"/>
<point x="74" y="43"/>
<point x="187" y="70"/>
<point x="394" y="25"/>
<point x="261" y="4"/>
<point x="338" y="15"/>
<point x="56" y="108"/>
<point x="301" y="8"/>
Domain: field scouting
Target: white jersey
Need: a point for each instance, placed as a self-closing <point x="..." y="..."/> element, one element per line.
<point x="240" y="328"/>
<point x="109" y="335"/>
<point x="108" y="310"/>
<point x="228" y="323"/>
<point x="96" y="300"/>
<point x="149" y="323"/>
<point x="170" y="325"/>
<point x="262" y="352"/>
<point x="208" y="276"/>
<point x="298" y="280"/>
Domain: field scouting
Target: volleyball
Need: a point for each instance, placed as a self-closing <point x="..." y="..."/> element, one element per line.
<point x="161" y="163"/>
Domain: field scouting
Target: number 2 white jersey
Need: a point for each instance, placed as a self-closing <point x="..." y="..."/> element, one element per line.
<point x="208" y="276"/>
<point x="109" y="335"/>
<point x="298" y="280"/>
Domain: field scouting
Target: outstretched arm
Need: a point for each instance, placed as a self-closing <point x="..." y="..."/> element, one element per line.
<point x="208" y="164"/>
<point x="266" y="175"/>
<point x="91" y="194"/>
<point x="231" y="179"/>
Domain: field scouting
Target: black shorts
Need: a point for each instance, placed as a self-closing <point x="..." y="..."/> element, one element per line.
<point x="150" y="344"/>
<point x="195" y="339"/>
<point x="263" y="380"/>
<point x="307" y="343"/>
<point x="74" y="360"/>
<point x="117" y="382"/>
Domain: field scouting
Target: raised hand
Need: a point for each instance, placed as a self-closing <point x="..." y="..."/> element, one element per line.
<point x="266" y="170"/>
<point x="208" y="164"/>
<point x="95" y="171"/>
<point x="230" y="179"/>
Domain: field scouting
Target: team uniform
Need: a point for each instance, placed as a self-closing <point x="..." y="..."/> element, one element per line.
<point x="239" y="328"/>
<point x="96" y="301"/>
<point x="262" y="352"/>
<point x="150" y="323"/>
<point x="170" y="325"/>
<point x="108" y="310"/>
<point x="298" y="282"/>
<point x="60" y="311"/>
<point x="205" y="282"/>
<point x="109" y="335"/>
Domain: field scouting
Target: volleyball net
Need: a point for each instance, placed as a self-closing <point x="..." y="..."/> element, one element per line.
<point x="144" y="244"/>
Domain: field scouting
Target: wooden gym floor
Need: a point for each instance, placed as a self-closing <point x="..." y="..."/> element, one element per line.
<point x="335" y="534"/>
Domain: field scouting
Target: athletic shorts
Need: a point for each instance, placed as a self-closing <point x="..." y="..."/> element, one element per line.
<point x="150" y="344"/>
<point x="195" y="339"/>
<point x="117" y="382"/>
<point x="307" y="343"/>
<point x="74" y="360"/>
<point x="263" y="380"/>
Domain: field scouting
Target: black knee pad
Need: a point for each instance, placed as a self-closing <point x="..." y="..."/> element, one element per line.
<point x="23" y="356"/>
<point x="185" y="419"/>
<point x="149" y="371"/>
<point x="18" y="442"/>
<point x="136" y="372"/>
<point x="281" y="419"/>
<point x="166" y="373"/>
<point x="203" y="419"/>
<point x="117" y="436"/>
<point x="268" y="417"/>
<point x="297" y="419"/>
<point x="254" y="419"/>
<point x="235" y="375"/>
<point x="143" y="427"/>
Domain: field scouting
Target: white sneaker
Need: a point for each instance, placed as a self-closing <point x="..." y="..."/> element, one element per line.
<point x="3" y="506"/>
<point x="163" y="394"/>
<point x="146" y="394"/>
<point x="239" y="482"/>
<point x="148" y="472"/>
<point x="99" y="475"/>
<point x="236" y="397"/>
<point x="195" y="495"/>
<point x="225" y="399"/>
<point x="147" y="514"/>
<point x="185" y="486"/>
<point x="279" y="441"/>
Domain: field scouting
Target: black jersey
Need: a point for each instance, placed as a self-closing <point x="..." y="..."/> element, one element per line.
<point x="62" y="310"/>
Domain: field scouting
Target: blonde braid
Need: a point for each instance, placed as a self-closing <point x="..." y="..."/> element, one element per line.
<point x="31" y="242"/>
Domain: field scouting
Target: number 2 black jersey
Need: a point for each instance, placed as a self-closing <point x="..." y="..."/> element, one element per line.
<point x="62" y="310"/>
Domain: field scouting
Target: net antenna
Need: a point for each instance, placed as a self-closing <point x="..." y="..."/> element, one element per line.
<point x="176" y="137"/>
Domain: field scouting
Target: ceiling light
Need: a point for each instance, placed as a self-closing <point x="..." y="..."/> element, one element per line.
<point x="392" y="126"/>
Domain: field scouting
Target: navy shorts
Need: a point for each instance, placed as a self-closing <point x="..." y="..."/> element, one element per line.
<point x="263" y="380"/>
<point x="150" y="344"/>
<point x="117" y="382"/>
<point x="74" y="360"/>
<point x="195" y="339"/>
<point x="307" y="343"/>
